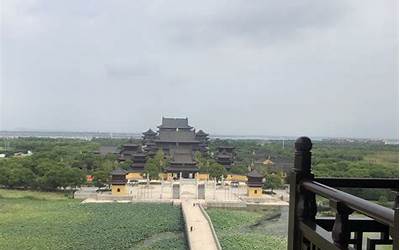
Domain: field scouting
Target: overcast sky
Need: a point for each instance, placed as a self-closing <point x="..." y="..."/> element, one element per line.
<point x="261" y="67"/>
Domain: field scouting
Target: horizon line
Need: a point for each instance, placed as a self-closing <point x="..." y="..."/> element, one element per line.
<point x="261" y="136"/>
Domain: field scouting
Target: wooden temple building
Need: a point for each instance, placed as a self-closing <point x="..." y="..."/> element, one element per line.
<point x="149" y="146"/>
<point x="202" y="137"/>
<point x="118" y="182"/>
<point x="254" y="184"/>
<point x="226" y="156"/>
<point x="177" y="139"/>
<point x="134" y="153"/>
<point x="179" y="142"/>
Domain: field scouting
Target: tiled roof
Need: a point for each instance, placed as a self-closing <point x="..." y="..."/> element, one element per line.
<point x="103" y="150"/>
<point x="201" y="133"/>
<point x="174" y="123"/>
<point x="177" y="136"/>
<point x="150" y="132"/>
<point x="182" y="156"/>
<point x="254" y="173"/>
<point x="119" y="171"/>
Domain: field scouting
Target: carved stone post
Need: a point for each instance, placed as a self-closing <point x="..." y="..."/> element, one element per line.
<point x="302" y="205"/>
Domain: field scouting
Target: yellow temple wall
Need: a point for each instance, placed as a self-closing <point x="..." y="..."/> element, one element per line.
<point x="123" y="190"/>
<point x="254" y="192"/>
<point x="202" y="177"/>
<point x="134" y="176"/>
<point x="236" y="177"/>
<point x="166" y="176"/>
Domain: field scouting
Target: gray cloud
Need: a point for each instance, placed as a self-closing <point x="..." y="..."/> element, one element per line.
<point x="260" y="22"/>
<point x="232" y="67"/>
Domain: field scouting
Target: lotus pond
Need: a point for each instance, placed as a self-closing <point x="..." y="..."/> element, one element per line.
<point x="33" y="220"/>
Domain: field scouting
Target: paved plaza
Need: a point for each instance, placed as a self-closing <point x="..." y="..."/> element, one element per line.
<point x="214" y="195"/>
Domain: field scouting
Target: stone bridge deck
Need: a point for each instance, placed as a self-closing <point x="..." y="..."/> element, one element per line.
<point x="199" y="233"/>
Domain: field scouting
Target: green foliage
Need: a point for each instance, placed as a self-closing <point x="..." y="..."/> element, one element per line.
<point x="55" y="163"/>
<point x="160" y="160"/>
<point x="155" y="165"/>
<point x="101" y="176"/>
<point x="236" y="230"/>
<point x="202" y="162"/>
<point x="239" y="169"/>
<point x="36" y="221"/>
<point x="273" y="181"/>
<point x="216" y="170"/>
<point x="152" y="169"/>
<point x="125" y="164"/>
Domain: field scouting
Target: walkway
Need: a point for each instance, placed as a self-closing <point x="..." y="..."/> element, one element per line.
<point x="200" y="235"/>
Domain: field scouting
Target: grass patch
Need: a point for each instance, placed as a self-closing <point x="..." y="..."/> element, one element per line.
<point x="32" y="195"/>
<point x="51" y="221"/>
<point x="242" y="229"/>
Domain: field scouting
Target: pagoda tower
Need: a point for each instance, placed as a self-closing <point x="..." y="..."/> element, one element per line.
<point x="118" y="182"/>
<point x="135" y="153"/>
<point x="254" y="184"/>
<point x="202" y="137"/>
<point x="225" y="156"/>
<point x="149" y="145"/>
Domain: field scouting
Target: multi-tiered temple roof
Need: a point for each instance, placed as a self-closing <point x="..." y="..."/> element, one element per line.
<point x="179" y="142"/>
<point x="149" y="146"/>
<point x="182" y="161"/>
<point x="134" y="153"/>
<point x="226" y="156"/>
<point x="254" y="179"/>
<point x="202" y="137"/>
<point x="175" y="123"/>
<point x="177" y="136"/>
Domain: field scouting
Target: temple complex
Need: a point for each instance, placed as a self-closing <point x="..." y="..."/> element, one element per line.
<point x="179" y="141"/>
<point x="225" y="156"/>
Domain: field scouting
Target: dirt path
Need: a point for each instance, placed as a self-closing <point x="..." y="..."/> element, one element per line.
<point x="199" y="232"/>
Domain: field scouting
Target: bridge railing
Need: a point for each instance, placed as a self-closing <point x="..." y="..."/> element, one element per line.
<point x="307" y="231"/>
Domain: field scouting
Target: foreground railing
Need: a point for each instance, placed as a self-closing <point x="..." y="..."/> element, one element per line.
<point x="306" y="231"/>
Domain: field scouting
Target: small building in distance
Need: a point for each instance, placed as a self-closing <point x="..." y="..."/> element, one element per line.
<point x="105" y="150"/>
<point x="202" y="137"/>
<point x="134" y="153"/>
<point x="118" y="182"/>
<point x="226" y="156"/>
<point x="254" y="184"/>
<point x="148" y="141"/>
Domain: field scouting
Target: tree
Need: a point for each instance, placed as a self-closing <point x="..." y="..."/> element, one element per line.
<point x="101" y="176"/>
<point x="4" y="173"/>
<point x="52" y="179"/>
<point x="202" y="162"/>
<point x="152" y="168"/>
<point x="125" y="164"/>
<point x="73" y="177"/>
<point x="239" y="169"/>
<point x="160" y="160"/>
<point x="272" y="181"/>
<point x="216" y="170"/>
<point x="20" y="177"/>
